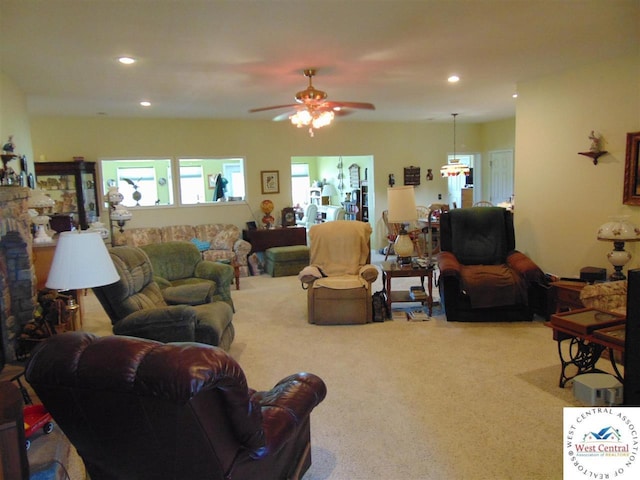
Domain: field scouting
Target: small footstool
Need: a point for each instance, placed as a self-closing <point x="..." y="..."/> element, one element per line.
<point x="285" y="261"/>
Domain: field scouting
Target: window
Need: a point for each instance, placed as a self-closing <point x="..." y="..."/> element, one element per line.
<point x="208" y="180"/>
<point x="300" y="183"/>
<point x="148" y="182"/>
<point x="142" y="182"/>
<point x="191" y="185"/>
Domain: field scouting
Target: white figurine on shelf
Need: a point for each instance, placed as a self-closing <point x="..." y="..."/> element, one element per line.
<point x="595" y="142"/>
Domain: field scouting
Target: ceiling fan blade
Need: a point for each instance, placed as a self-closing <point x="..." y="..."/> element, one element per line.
<point x="361" y="105"/>
<point x="284" y="116"/>
<point x="342" y="113"/>
<point x="275" y="107"/>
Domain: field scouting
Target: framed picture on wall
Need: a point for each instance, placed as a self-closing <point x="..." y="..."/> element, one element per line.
<point x="631" y="194"/>
<point x="270" y="181"/>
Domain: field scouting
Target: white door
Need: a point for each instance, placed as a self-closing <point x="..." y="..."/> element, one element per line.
<point x="501" y="168"/>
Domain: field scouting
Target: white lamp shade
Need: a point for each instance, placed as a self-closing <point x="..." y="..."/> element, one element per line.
<point x="619" y="230"/>
<point x="401" y="204"/>
<point x="329" y="190"/>
<point x="39" y="199"/>
<point x="81" y="260"/>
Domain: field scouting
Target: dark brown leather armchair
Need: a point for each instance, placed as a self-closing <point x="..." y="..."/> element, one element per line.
<point x="482" y="276"/>
<point x="140" y="409"/>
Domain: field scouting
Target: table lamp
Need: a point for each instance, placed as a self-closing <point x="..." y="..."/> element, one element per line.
<point x="618" y="231"/>
<point x="80" y="261"/>
<point x="39" y="202"/>
<point x="328" y="191"/>
<point x="402" y="209"/>
<point x="117" y="212"/>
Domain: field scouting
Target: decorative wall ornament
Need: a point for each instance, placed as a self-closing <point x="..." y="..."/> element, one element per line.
<point x="595" y="150"/>
<point x="429" y="174"/>
<point x="412" y="175"/>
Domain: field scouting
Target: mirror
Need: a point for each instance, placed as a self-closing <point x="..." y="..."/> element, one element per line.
<point x="210" y="180"/>
<point x="631" y="194"/>
<point x="142" y="182"/>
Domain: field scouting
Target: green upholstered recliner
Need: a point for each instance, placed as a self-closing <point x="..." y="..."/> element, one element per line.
<point x="177" y="263"/>
<point x="482" y="276"/>
<point x="138" y="307"/>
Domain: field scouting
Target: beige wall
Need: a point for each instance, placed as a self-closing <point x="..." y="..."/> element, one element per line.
<point x="561" y="197"/>
<point x="14" y="120"/>
<point x="266" y="145"/>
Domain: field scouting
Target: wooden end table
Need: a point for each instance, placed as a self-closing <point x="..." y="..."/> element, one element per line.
<point x="394" y="270"/>
<point x="588" y="333"/>
<point x="566" y="295"/>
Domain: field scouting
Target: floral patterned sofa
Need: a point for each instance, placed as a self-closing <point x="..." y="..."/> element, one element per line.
<point x="216" y="241"/>
<point x="609" y="296"/>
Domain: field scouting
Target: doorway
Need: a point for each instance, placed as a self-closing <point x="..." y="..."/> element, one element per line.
<point x="501" y="176"/>
<point x="307" y="172"/>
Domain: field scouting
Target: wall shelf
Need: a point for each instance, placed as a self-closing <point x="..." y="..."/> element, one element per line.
<point x="593" y="155"/>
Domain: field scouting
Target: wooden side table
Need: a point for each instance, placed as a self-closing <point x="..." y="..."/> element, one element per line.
<point x="577" y="329"/>
<point x="393" y="270"/>
<point x="14" y="462"/>
<point x="566" y="295"/>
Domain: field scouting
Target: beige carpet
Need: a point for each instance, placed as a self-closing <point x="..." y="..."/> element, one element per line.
<point x="406" y="400"/>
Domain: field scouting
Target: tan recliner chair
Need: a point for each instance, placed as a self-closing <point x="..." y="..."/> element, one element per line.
<point x="339" y="277"/>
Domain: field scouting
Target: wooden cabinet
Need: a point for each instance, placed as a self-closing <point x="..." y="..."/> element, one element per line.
<point x="466" y="197"/>
<point x="260" y="240"/>
<point x="73" y="187"/>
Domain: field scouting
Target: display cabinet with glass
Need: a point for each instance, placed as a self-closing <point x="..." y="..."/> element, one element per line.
<point x="72" y="185"/>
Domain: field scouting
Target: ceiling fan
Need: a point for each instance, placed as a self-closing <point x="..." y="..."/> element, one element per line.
<point x="312" y="109"/>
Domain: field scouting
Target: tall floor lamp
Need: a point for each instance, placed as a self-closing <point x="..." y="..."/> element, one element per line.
<point x="80" y="261"/>
<point x="401" y="203"/>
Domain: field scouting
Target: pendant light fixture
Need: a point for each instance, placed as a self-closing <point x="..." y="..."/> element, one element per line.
<point x="454" y="167"/>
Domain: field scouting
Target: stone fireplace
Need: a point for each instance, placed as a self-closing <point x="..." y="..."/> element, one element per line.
<point x="17" y="279"/>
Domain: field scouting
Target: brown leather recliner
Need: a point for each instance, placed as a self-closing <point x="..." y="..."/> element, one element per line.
<point x="140" y="409"/>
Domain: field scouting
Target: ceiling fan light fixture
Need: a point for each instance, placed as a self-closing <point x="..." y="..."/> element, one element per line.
<point x="312" y="109"/>
<point x="323" y="119"/>
<point x="301" y="118"/>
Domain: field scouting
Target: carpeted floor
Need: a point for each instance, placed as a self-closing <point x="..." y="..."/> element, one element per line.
<point x="406" y="400"/>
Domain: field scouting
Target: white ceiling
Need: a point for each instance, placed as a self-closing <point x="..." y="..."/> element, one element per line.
<point x="218" y="59"/>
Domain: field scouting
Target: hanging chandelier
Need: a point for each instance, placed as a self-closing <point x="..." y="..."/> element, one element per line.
<point x="454" y="168"/>
<point x="312" y="118"/>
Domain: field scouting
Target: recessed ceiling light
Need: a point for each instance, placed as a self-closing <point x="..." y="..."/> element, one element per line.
<point x="515" y="95"/>
<point x="145" y="103"/>
<point x="453" y="79"/>
<point x="127" y="60"/>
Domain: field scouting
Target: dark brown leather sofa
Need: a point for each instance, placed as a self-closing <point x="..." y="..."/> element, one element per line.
<point x="140" y="409"/>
